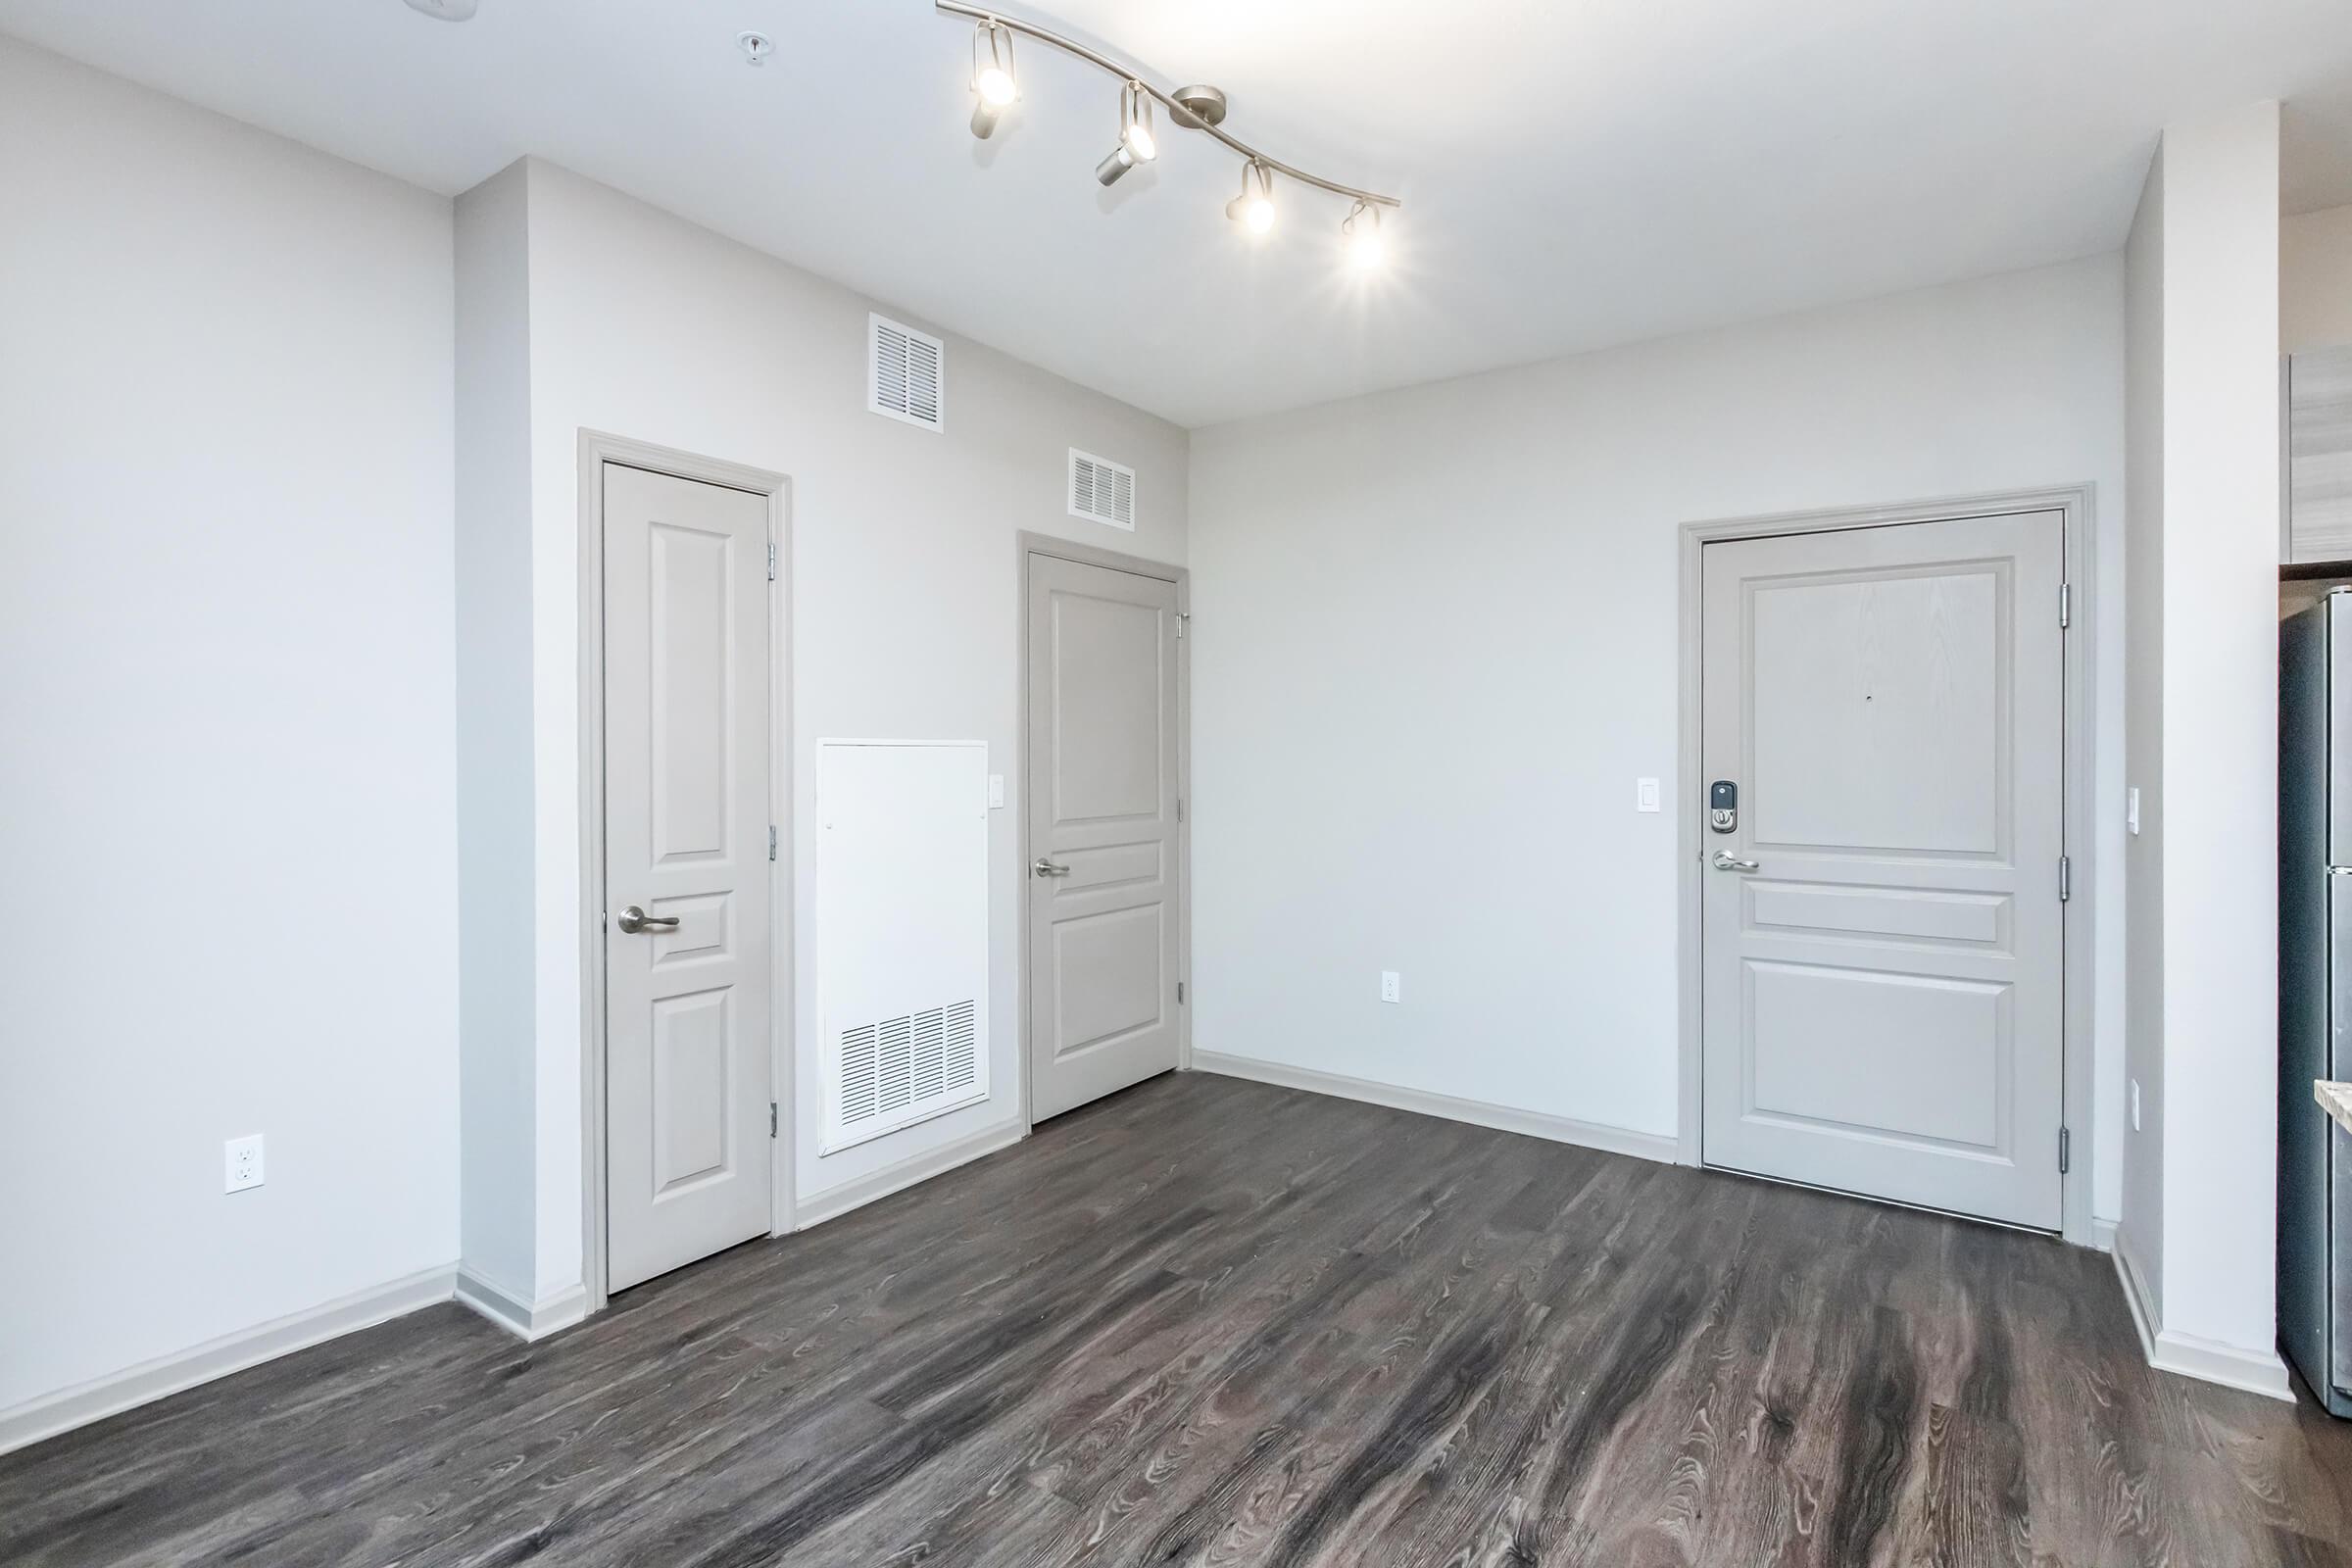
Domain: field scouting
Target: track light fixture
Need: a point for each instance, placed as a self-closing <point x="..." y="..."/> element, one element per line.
<point x="1359" y="235"/>
<point x="994" y="84"/>
<point x="1137" y="144"/>
<point x="1254" y="208"/>
<point x="1198" y="108"/>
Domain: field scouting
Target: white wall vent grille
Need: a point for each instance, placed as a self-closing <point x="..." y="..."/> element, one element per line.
<point x="907" y="373"/>
<point x="1101" y="491"/>
<point x="902" y="933"/>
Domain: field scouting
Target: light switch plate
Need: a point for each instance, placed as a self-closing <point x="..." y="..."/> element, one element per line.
<point x="2131" y="809"/>
<point x="243" y="1158"/>
<point x="1392" y="986"/>
<point x="996" y="792"/>
<point x="1646" y="794"/>
<point x="2135" y="1105"/>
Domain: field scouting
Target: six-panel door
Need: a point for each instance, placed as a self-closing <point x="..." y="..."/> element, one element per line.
<point x="686" y="814"/>
<point x="1881" y="934"/>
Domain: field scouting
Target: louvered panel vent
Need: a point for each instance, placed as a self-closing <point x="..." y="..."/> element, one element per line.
<point x="899" y="1069"/>
<point x="902" y="934"/>
<point x="1101" y="491"/>
<point x="908" y="373"/>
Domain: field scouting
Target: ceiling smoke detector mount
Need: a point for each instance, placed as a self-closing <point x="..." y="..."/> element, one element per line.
<point x="755" y="46"/>
<point x="446" y="10"/>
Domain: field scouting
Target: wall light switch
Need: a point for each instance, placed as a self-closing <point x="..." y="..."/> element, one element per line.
<point x="244" y="1157"/>
<point x="1392" y="986"/>
<point x="2135" y="1105"/>
<point x="1646" y="794"/>
<point x="996" y="792"/>
<point x="2131" y="809"/>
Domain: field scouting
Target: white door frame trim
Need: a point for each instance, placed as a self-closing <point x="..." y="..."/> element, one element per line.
<point x="597" y="448"/>
<point x="1027" y="544"/>
<point x="2076" y="503"/>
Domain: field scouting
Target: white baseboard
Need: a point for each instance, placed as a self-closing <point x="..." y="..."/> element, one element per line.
<point x="2209" y="1361"/>
<point x="2102" y="1234"/>
<point x="835" y="1202"/>
<point x="53" y="1413"/>
<point x="1478" y="1113"/>
<point x="527" y="1321"/>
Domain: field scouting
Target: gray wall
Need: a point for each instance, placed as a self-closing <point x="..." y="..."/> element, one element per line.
<point x="226" y="615"/>
<point x="1435" y="646"/>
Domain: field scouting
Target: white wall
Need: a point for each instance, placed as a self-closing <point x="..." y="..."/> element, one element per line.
<point x="2141" y="1235"/>
<point x="2220" y="641"/>
<point x="1435" y="645"/>
<point x="2315" y="279"/>
<point x="904" y="570"/>
<point x="499" y="1120"/>
<point x="225" y="613"/>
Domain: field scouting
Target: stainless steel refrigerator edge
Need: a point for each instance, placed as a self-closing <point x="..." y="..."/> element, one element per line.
<point x="2315" y="993"/>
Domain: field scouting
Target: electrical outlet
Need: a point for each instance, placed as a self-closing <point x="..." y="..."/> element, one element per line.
<point x="244" y="1156"/>
<point x="2131" y="809"/>
<point x="1646" y="794"/>
<point x="996" y="792"/>
<point x="1392" y="986"/>
<point x="2135" y="1105"/>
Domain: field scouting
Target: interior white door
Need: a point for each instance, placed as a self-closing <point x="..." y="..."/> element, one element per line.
<point x="1103" y="880"/>
<point x="689" y="977"/>
<point x="1883" y="942"/>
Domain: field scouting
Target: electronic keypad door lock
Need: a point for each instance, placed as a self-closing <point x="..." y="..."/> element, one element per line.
<point x="1723" y="806"/>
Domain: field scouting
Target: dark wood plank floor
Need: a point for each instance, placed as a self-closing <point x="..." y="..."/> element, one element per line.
<point x="1208" y="1321"/>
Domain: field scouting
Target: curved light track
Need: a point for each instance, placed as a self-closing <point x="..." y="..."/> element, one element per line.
<point x="1177" y="112"/>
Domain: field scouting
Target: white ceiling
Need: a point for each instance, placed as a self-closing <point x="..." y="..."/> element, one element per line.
<point x="1574" y="174"/>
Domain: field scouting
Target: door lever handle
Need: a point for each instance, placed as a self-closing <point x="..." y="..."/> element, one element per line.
<point x="634" y="919"/>
<point x="1045" y="867"/>
<point x="1726" y="860"/>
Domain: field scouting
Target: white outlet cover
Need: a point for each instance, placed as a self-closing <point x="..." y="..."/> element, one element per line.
<point x="2131" y="809"/>
<point x="1646" y="794"/>
<point x="242" y="1158"/>
<point x="1392" y="986"/>
<point x="996" y="792"/>
<point x="2135" y="1105"/>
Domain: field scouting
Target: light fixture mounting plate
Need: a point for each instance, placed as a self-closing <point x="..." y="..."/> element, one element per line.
<point x="1198" y="106"/>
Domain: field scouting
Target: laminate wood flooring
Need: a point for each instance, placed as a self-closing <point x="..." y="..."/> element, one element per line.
<point x="1208" y="1321"/>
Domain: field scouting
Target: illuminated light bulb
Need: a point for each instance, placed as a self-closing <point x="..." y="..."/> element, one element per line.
<point x="1361" y="237"/>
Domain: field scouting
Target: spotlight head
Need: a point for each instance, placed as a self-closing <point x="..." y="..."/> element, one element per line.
<point x="1360" y="235"/>
<point x="1254" y="208"/>
<point x="994" y="85"/>
<point x="1114" y="165"/>
<point x="1135" y="124"/>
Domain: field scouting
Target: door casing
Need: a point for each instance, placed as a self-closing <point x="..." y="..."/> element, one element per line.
<point x="1029" y="544"/>
<point x="2075" y="503"/>
<point x="596" y="449"/>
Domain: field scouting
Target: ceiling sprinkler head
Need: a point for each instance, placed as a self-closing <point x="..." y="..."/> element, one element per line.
<point x="755" y="46"/>
<point x="446" y="10"/>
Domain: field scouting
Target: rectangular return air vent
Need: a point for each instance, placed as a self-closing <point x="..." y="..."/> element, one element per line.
<point x="907" y="373"/>
<point x="900" y="933"/>
<point x="1101" y="491"/>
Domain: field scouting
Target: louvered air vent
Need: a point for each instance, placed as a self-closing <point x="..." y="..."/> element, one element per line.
<point x="1101" y="491"/>
<point x="908" y="373"/>
<point x="895" y="1071"/>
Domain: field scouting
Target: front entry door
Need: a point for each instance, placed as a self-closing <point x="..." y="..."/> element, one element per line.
<point x="1103" y="879"/>
<point x="689" y="978"/>
<point x="1883" y="948"/>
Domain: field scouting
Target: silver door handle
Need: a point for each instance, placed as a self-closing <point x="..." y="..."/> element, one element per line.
<point x="1726" y="860"/>
<point x="1045" y="867"/>
<point x="634" y="919"/>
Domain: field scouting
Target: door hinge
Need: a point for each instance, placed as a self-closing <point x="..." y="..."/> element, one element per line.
<point x="771" y="560"/>
<point x="2066" y="1150"/>
<point x="771" y="841"/>
<point x="2066" y="879"/>
<point x="771" y="1118"/>
<point x="2066" y="605"/>
<point x="1179" y="992"/>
